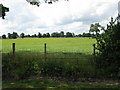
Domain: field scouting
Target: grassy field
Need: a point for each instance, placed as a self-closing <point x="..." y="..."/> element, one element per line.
<point x="72" y="60"/>
<point x="78" y="45"/>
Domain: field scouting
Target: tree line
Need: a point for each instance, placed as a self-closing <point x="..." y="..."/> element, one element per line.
<point x="15" y="35"/>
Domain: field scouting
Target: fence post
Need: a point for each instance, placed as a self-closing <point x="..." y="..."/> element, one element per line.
<point x="94" y="49"/>
<point x="45" y="51"/>
<point x="45" y="48"/>
<point x="13" y="48"/>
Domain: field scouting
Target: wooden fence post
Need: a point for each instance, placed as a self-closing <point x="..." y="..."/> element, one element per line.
<point x="45" y="48"/>
<point x="13" y="48"/>
<point x="45" y="51"/>
<point x="94" y="49"/>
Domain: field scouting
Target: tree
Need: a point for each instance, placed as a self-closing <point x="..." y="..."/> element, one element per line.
<point x="34" y="35"/>
<point x="68" y="34"/>
<point x="96" y="28"/>
<point x="14" y="35"/>
<point x="73" y="34"/>
<point x="9" y="35"/>
<point x="108" y="45"/>
<point x="79" y="35"/>
<point x="39" y="35"/>
<point x="3" y="36"/>
<point x="61" y="34"/>
<point x="22" y="35"/>
<point x="3" y="9"/>
<point x="55" y="34"/>
<point x="47" y="35"/>
<point x="44" y="35"/>
<point x="27" y="35"/>
<point x="86" y="35"/>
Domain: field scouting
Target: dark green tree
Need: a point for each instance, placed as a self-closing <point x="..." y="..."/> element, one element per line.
<point x="55" y="34"/>
<point x="28" y="36"/>
<point x="22" y="35"/>
<point x="79" y="35"/>
<point x="96" y="28"/>
<point x="34" y="35"/>
<point x="47" y="35"/>
<point x="73" y="34"/>
<point x="69" y="34"/>
<point x="62" y="34"/>
<point x="14" y="35"/>
<point x="9" y="35"/>
<point x="3" y="36"/>
<point x="3" y="9"/>
<point x="86" y="35"/>
<point x="44" y="35"/>
<point x="39" y="35"/>
<point x="108" y="45"/>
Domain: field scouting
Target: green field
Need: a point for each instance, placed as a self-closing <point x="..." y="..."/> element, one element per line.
<point x="76" y="64"/>
<point x="78" y="45"/>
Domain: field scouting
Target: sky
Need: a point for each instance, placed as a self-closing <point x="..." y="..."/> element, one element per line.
<point x="72" y="16"/>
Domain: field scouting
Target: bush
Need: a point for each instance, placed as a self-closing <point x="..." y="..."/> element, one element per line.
<point x="108" y="45"/>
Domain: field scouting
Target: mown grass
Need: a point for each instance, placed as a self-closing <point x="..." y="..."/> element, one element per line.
<point x="78" y="45"/>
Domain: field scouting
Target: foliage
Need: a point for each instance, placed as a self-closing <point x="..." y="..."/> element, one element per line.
<point x="108" y="44"/>
<point x="39" y="35"/>
<point x="68" y="34"/>
<point x="96" y="28"/>
<point x="54" y="34"/>
<point x="3" y="9"/>
<point x="37" y="2"/>
<point x="22" y="35"/>
<point x="34" y="2"/>
<point x="62" y="33"/>
<point x="47" y="35"/>
<point x="14" y="35"/>
<point x="25" y="64"/>
<point x="9" y="35"/>
<point x="86" y="35"/>
<point x="34" y="35"/>
<point x="44" y="35"/>
<point x="3" y="36"/>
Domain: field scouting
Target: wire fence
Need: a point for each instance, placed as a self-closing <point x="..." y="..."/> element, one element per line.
<point x="48" y="49"/>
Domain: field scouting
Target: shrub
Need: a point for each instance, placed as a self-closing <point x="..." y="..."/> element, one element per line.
<point x="108" y="45"/>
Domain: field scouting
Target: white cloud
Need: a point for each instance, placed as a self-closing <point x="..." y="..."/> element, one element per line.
<point x="75" y="16"/>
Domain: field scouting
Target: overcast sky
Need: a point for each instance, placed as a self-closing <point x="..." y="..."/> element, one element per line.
<point x="73" y="16"/>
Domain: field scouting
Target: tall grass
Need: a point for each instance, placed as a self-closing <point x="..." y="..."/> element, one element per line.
<point x="25" y="64"/>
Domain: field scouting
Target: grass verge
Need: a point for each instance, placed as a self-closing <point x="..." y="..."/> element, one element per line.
<point x="47" y="83"/>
